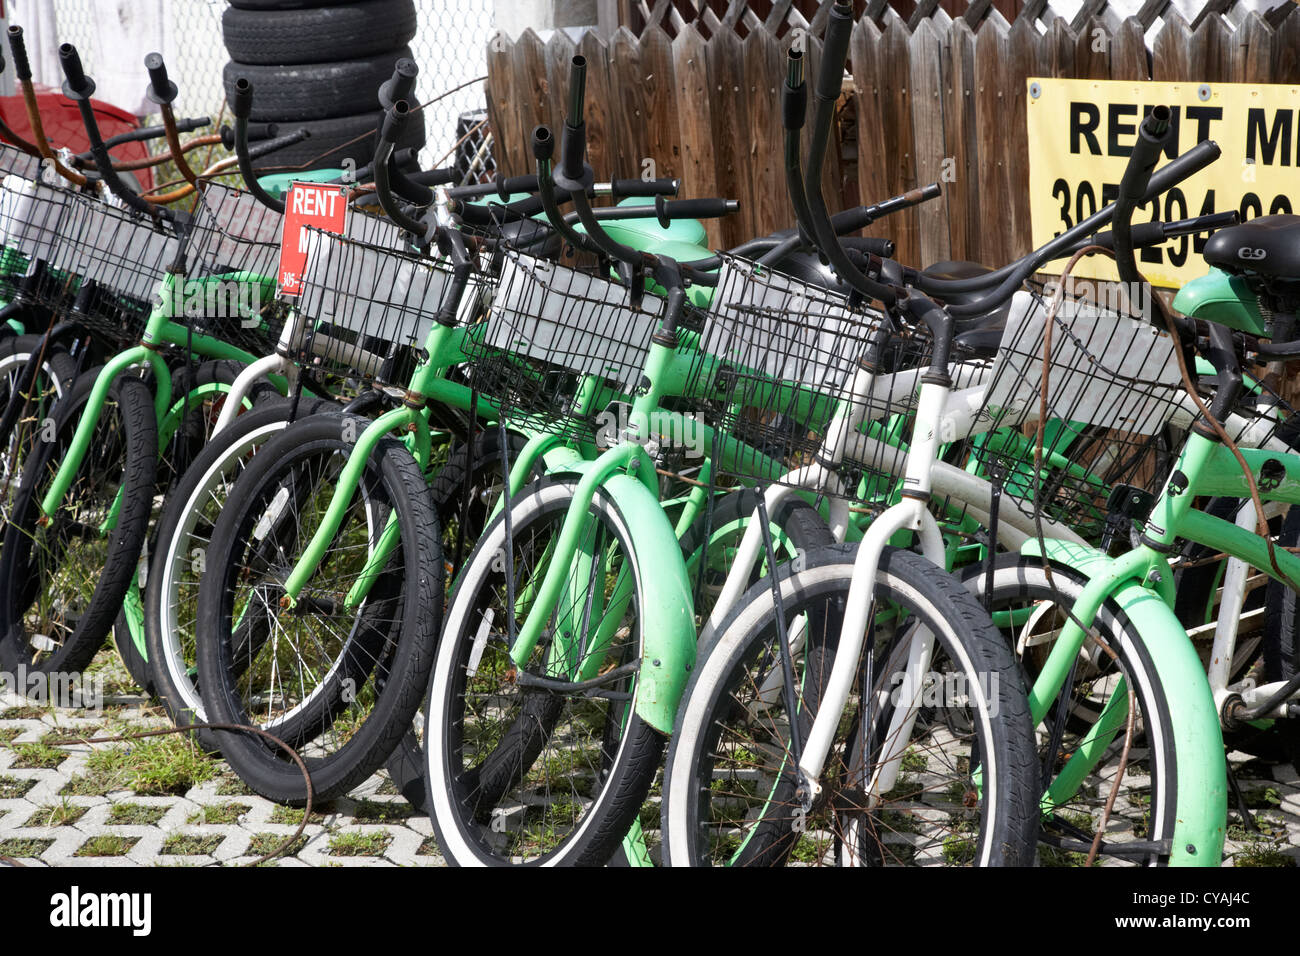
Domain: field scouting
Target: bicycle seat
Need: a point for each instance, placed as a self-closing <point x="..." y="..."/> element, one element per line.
<point x="1269" y="246"/>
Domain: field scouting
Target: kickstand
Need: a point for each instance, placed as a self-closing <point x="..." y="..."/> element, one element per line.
<point x="1247" y="817"/>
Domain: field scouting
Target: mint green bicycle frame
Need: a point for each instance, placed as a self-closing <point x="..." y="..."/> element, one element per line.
<point x="1132" y="581"/>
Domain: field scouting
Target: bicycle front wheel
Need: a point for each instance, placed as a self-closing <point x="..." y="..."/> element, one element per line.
<point x="545" y="763"/>
<point x="339" y="673"/>
<point x="1083" y="743"/>
<point x="926" y="768"/>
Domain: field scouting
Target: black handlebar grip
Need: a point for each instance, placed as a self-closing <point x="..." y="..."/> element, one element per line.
<point x="507" y="186"/>
<point x="794" y="95"/>
<point x="577" y="89"/>
<point x="401" y="85"/>
<point x="257" y="132"/>
<point x="543" y="143"/>
<point x="1189" y="164"/>
<point x="622" y="188"/>
<point x="78" y="86"/>
<point x="835" y="51"/>
<point x="435" y="177"/>
<point x="1150" y="142"/>
<point x="666" y="210"/>
<point x="243" y="100"/>
<point x="882" y="248"/>
<point x="161" y="90"/>
<point x="394" y="121"/>
<point x="19" y="47"/>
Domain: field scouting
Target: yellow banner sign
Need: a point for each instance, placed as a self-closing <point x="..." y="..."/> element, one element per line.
<point x="1081" y="133"/>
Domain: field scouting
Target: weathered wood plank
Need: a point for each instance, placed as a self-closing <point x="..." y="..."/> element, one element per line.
<point x="962" y="188"/>
<point x="926" y="52"/>
<point x="1092" y="51"/>
<point x="1128" y="52"/>
<point x="992" y="48"/>
<point x="509" y="148"/>
<point x="730" y="125"/>
<point x="663" y="135"/>
<point x="769" y="200"/>
<point x="894" y="81"/>
<point x="695" y="120"/>
<point x="603" y="148"/>
<point x="1171" y="52"/>
<point x="867" y="58"/>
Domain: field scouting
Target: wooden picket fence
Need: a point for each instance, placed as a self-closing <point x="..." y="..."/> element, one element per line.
<point x="703" y="103"/>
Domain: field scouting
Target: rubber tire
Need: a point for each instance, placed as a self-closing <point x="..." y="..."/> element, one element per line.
<point x="347" y="31"/>
<point x="1281" y="649"/>
<point x="58" y="370"/>
<point x="314" y="91"/>
<point x="627" y="778"/>
<point x="312" y="153"/>
<point x="172" y="685"/>
<point x="829" y="571"/>
<point x="263" y="767"/>
<point x="406" y="765"/>
<point x="131" y="401"/>
<point x="1015" y="575"/>
<point x="284" y="4"/>
<point x="186" y="441"/>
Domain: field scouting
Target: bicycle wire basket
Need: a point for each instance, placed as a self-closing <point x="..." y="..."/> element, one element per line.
<point x="776" y="369"/>
<point x="367" y="307"/>
<point x="232" y="256"/>
<point x="559" y="345"/>
<point x="33" y="219"/>
<point x="1112" y="390"/>
<point x="16" y="162"/>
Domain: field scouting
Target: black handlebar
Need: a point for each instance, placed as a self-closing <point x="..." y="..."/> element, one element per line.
<point x="18" y="47"/>
<point x="1133" y="185"/>
<point x="79" y="88"/>
<point x="394" y="121"/>
<point x="573" y="157"/>
<point x="161" y="90"/>
<point x="401" y="85"/>
<point x="835" y="49"/>
<point x="241" y="105"/>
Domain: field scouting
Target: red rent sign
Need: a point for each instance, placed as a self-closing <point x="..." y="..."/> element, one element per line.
<point x="307" y="204"/>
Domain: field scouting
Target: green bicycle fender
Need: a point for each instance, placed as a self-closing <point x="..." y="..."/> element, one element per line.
<point x="1201" y="804"/>
<point x="669" y="620"/>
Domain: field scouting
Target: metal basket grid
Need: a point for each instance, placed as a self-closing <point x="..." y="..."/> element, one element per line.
<point x="367" y="309"/>
<point x="778" y="361"/>
<point x="1112" y="388"/>
<point x="558" y="345"/>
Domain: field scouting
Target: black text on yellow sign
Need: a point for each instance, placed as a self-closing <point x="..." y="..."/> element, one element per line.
<point x="1081" y="133"/>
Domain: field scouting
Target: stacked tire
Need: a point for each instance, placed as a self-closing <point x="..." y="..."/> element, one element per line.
<point x="318" y="64"/>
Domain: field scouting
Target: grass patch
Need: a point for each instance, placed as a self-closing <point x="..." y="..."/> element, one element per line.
<point x="168" y="766"/>
<point x="360" y="844"/>
<point x="1262" y="798"/>
<point x="37" y="757"/>
<point x="292" y="816"/>
<point x="185" y="844"/>
<point x="232" y="786"/>
<point x="1261" y="854"/>
<point x="218" y="814"/>
<point x="373" y="811"/>
<point x="12" y="788"/>
<point x="24" y="848"/>
<point x="107" y="846"/>
<point x="135" y="814"/>
<point x="7" y="735"/>
<point x="264" y="843"/>
<point x="429" y="847"/>
<point x="61" y="814"/>
<point x="24" y="712"/>
<point x="387" y="788"/>
<point x="68" y="735"/>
